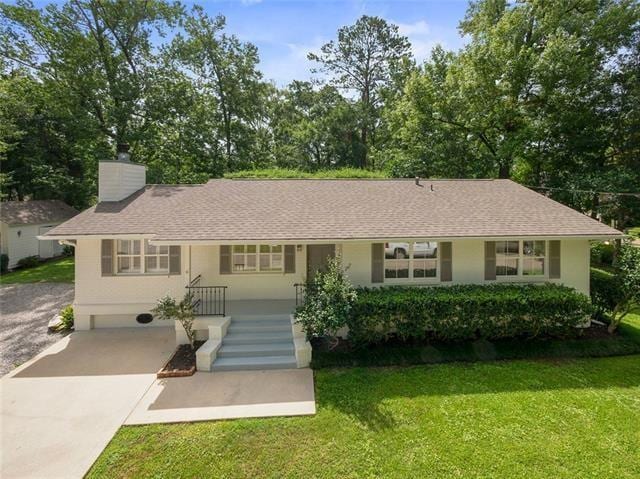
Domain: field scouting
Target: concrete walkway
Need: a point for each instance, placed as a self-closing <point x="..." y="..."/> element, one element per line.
<point x="227" y="395"/>
<point x="60" y="409"/>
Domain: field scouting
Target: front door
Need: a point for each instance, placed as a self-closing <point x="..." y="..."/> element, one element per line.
<point x="317" y="256"/>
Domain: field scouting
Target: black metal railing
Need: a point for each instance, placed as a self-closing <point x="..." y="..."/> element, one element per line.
<point x="207" y="300"/>
<point x="301" y="292"/>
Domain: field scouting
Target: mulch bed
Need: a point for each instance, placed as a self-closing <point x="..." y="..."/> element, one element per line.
<point x="182" y="363"/>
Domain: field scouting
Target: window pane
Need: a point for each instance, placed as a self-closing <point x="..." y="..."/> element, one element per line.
<point x="136" y="262"/>
<point x="151" y="263"/>
<point x="238" y="248"/>
<point x="123" y="264"/>
<point x="265" y="248"/>
<point x="238" y="262"/>
<point x="403" y="269"/>
<point x="148" y="248"/>
<point x="533" y="248"/>
<point x="276" y="261"/>
<point x="426" y="249"/>
<point x="251" y="248"/>
<point x="390" y="272"/>
<point x="276" y="249"/>
<point x="533" y="267"/>
<point x="396" y="250"/>
<point x="507" y="267"/>
<point x="430" y="269"/>
<point x="163" y="249"/>
<point x="251" y="262"/>
<point x="124" y="246"/>
<point x="136" y="248"/>
<point x="264" y="261"/>
<point x="164" y="263"/>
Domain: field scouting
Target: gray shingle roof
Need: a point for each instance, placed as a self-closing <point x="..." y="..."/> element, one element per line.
<point x="334" y="209"/>
<point x="35" y="212"/>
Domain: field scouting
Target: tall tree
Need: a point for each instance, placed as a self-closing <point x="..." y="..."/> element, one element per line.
<point x="365" y="59"/>
<point x="226" y="69"/>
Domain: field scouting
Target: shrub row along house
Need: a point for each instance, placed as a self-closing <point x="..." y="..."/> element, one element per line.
<point x="241" y="246"/>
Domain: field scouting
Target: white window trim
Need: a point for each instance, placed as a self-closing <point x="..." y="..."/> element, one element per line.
<point x="411" y="279"/>
<point x="257" y="255"/>
<point x="143" y="255"/>
<point x="521" y="257"/>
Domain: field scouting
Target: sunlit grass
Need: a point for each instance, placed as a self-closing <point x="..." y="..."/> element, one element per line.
<point x="56" y="271"/>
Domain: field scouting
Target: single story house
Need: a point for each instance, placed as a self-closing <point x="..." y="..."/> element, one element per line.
<point x="241" y="246"/>
<point x="21" y="222"/>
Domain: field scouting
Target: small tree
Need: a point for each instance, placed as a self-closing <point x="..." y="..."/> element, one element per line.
<point x="328" y="301"/>
<point x="168" y="308"/>
<point x="628" y="284"/>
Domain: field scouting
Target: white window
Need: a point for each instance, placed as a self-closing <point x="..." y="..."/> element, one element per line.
<point x="156" y="258"/>
<point x="128" y="256"/>
<point x="414" y="260"/>
<point x="257" y="258"/>
<point x="131" y="258"/>
<point x="520" y="258"/>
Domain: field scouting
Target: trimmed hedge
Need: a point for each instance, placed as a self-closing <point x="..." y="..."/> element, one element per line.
<point x="466" y="312"/>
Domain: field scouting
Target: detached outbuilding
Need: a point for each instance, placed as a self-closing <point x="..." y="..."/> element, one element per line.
<point x="21" y="222"/>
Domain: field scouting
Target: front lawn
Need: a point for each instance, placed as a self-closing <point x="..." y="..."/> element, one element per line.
<point x="560" y="419"/>
<point x="55" y="271"/>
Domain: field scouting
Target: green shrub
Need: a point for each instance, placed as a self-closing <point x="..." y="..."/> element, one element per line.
<point x="605" y="292"/>
<point x="328" y="301"/>
<point x="183" y="311"/>
<point x="28" y="262"/>
<point x="602" y="254"/>
<point x="463" y="312"/>
<point x="4" y="263"/>
<point x="66" y="319"/>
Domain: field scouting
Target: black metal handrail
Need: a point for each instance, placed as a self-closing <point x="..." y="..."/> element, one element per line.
<point x="208" y="300"/>
<point x="301" y="292"/>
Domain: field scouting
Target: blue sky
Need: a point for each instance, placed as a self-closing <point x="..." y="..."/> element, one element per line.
<point x="286" y="30"/>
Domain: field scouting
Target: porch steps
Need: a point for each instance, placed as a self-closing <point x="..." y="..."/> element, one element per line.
<point x="257" y="342"/>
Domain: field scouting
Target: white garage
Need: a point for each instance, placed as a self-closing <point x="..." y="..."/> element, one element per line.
<point x="21" y="222"/>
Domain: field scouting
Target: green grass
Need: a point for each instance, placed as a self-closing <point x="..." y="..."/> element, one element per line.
<point x="271" y="173"/>
<point x="505" y="419"/>
<point x="635" y="232"/>
<point x="56" y="271"/>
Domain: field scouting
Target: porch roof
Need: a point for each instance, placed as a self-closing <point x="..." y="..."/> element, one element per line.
<point x="312" y="210"/>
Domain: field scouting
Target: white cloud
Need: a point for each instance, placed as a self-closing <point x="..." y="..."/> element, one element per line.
<point x="423" y="38"/>
<point x="412" y="29"/>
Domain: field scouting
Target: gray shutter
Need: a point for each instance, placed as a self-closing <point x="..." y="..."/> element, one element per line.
<point x="554" y="259"/>
<point x="377" y="262"/>
<point x="174" y="260"/>
<point x="225" y="259"/>
<point x="445" y="261"/>
<point x="290" y="258"/>
<point x="106" y="256"/>
<point x="489" y="260"/>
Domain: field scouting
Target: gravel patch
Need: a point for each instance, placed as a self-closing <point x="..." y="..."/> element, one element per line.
<point x="25" y="311"/>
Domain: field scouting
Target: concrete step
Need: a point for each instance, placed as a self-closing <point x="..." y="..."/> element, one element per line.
<point x="254" y="363"/>
<point x="254" y="350"/>
<point x="257" y="337"/>
<point x="258" y="326"/>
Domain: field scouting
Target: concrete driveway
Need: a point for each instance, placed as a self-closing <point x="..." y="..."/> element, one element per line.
<point x="60" y="409"/>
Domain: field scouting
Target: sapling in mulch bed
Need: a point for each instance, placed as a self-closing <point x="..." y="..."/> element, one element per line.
<point x="183" y="361"/>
